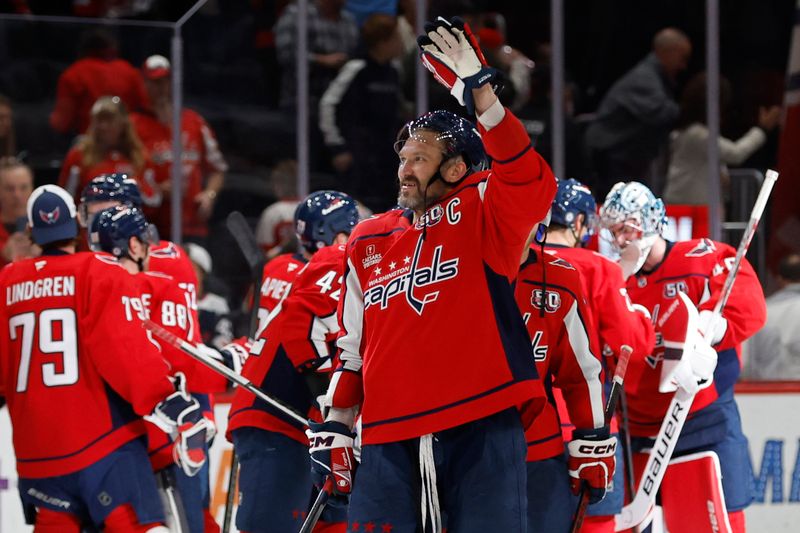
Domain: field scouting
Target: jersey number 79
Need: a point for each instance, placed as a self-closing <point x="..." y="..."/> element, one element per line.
<point x="22" y="327"/>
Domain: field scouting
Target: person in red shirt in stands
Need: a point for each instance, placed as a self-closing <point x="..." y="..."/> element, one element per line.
<point x="16" y="185"/>
<point x="202" y="162"/>
<point x="109" y="146"/>
<point x="97" y="73"/>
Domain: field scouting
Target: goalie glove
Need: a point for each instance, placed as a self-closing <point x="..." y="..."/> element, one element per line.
<point x="331" y="449"/>
<point x="592" y="461"/>
<point x="695" y="371"/>
<point x="451" y="52"/>
<point x="179" y="415"/>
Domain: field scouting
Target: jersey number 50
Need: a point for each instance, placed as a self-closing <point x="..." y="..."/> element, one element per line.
<point x="50" y="320"/>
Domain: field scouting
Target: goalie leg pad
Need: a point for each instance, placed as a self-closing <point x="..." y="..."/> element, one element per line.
<point x="692" y="495"/>
<point x="274" y="480"/>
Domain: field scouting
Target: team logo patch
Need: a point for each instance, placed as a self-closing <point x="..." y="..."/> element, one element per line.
<point x="549" y="299"/>
<point x="641" y="282"/>
<point x="431" y="217"/>
<point x="371" y="256"/>
<point x="50" y="217"/>
<point x="704" y="247"/>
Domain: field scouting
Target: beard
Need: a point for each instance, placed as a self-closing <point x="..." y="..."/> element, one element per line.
<point x="410" y="198"/>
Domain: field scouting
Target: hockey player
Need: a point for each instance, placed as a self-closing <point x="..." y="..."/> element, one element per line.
<point x="291" y="361"/>
<point x="617" y="321"/>
<point x="433" y="349"/>
<point x="109" y="190"/>
<point x="79" y="373"/>
<point x="551" y="299"/>
<point x="124" y="232"/>
<point x="698" y="268"/>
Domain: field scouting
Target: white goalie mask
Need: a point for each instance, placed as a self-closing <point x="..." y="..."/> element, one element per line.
<point x="635" y="206"/>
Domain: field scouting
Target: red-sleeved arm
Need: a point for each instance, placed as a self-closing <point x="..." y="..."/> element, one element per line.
<point x="576" y="366"/>
<point x="119" y="346"/>
<point x="746" y="308"/>
<point x="311" y="316"/>
<point x="517" y="194"/>
<point x="346" y="387"/>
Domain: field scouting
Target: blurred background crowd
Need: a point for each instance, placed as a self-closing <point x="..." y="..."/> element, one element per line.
<point x="84" y="96"/>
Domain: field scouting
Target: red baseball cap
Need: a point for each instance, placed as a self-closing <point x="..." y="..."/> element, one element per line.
<point x="155" y="67"/>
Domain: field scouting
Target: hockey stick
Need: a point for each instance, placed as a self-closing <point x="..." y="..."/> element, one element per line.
<point x="635" y="512"/>
<point x="192" y="351"/>
<point x="238" y="227"/>
<point x="319" y="505"/>
<point x="611" y="406"/>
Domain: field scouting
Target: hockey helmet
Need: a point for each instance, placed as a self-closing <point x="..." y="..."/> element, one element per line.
<point x="457" y="136"/>
<point x="106" y="187"/>
<point x="322" y="216"/>
<point x="112" y="229"/>
<point x="632" y="203"/>
<point x="573" y="198"/>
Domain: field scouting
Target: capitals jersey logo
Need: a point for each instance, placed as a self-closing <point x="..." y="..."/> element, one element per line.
<point x="551" y="301"/>
<point x="412" y="280"/>
<point x="50" y="217"/>
<point x="704" y="247"/>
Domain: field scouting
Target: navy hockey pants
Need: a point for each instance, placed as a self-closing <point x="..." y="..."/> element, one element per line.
<point x="123" y="476"/>
<point x="275" y="489"/>
<point x="480" y="474"/>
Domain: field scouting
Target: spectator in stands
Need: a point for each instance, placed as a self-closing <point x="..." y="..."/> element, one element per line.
<point x="203" y="165"/>
<point x="687" y="178"/>
<point x="8" y="142"/>
<point x="774" y="352"/>
<point x="16" y="185"/>
<point x="109" y="146"/>
<point x="332" y="40"/>
<point x="275" y="229"/>
<point x="636" y="115"/>
<point x="360" y="112"/>
<point x="97" y="73"/>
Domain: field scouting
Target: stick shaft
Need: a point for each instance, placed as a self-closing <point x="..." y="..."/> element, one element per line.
<point x="192" y="351"/>
<point x="611" y="406"/>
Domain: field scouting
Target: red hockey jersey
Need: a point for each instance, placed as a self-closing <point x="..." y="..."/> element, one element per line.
<point x="294" y="342"/>
<point x="74" y="175"/>
<point x="431" y="335"/>
<point x="698" y="268"/>
<point x="556" y="316"/>
<point x="276" y="279"/>
<point x="616" y="322"/>
<point x="168" y="305"/>
<point x="77" y="371"/>
<point x="170" y="259"/>
<point x="200" y="156"/>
